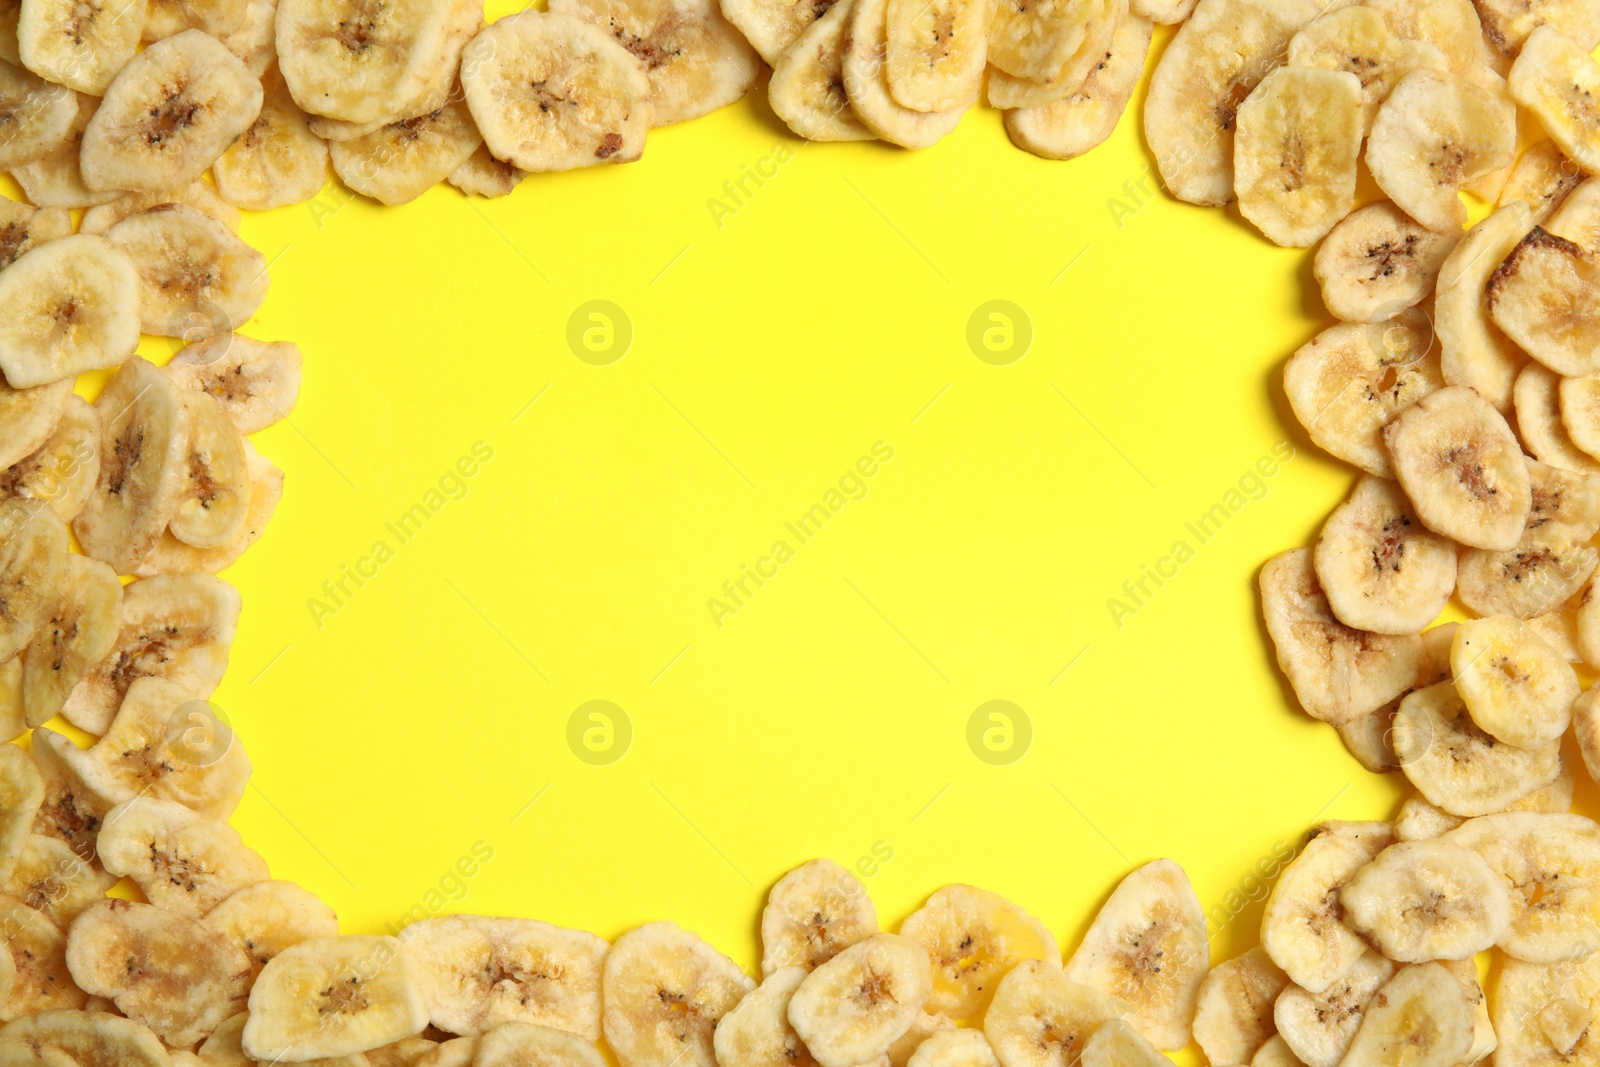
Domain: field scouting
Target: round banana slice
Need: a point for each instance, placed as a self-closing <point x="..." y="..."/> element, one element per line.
<point x="197" y="194"/>
<point x="1435" y="133"/>
<point x="1549" y="865"/>
<point x="218" y="18"/>
<point x="1116" y="1044"/>
<point x="1458" y="767"/>
<point x="61" y="472"/>
<point x="264" y="919"/>
<point x="35" y="116"/>
<point x="807" y="91"/>
<point x="33" y="567"/>
<point x="403" y="160"/>
<point x="1378" y="261"/>
<point x="1300" y="928"/>
<point x="664" y="990"/>
<point x="184" y="862"/>
<point x="1549" y="565"/>
<point x="852" y="1008"/>
<point x="756" y="1033"/>
<point x="1349" y="380"/>
<point x="935" y="52"/>
<point x="72" y="306"/>
<point x="1537" y="400"/>
<point x="476" y="973"/>
<point x="1451" y="26"/>
<point x="483" y="175"/>
<point x="1103" y="17"/>
<point x="1542" y="297"/>
<point x="1233" y="1011"/>
<point x="196" y="277"/>
<point x="172" y="556"/>
<point x="177" y="627"/>
<point x="813" y="913"/>
<point x="77" y="636"/>
<point x="331" y="997"/>
<point x="864" y="64"/>
<point x="216" y="500"/>
<point x="255" y="40"/>
<point x="1035" y="40"/>
<point x="1041" y="1018"/>
<point x="1462" y="467"/>
<point x="1421" y="1017"/>
<point x="169" y="113"/>
<point x="1083" y="118"/>
<point x="1578" y="217"/>
<point x="516" y="1044"/>
<point x="71" y="1038"/>
<point x="357" y="61"/>
<point x="1427" y="900"/>
<point x="1542" y="179"/>
<point x="1358" y="40"/>
<point x="1473" y="351"/>
<point x="70" y="810"/>
<point x="173" y="974"/>
<point x="1517" y="688"/>
<point x="974" y="937"/>
<point x="1379" y="567"/>
<point x="28" y="417"/>
<point x="42" y="983"/>
<point x="22" y="793"/>
<point x="79" y="45"/>
<point x="50" y="878"/>
<point x="1318" y="1027"/>
<point x="1543" y="1013"/>
<point x="952" y="1048"/>
<point x="277" y="161"/>
<point x="1555" y="78"/>
<point x="551" y="92"/>
<point x="1147" y="949"/>
<point x="256" y="383"/>
<point x="1338" y="674"/>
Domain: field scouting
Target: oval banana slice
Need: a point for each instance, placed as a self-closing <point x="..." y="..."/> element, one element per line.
<point x="80" y="45"/>
<point x="1542" y="179"/>
<point x="953" y="1048"/>
<point x="197" y="278"/>
<point x="72" y="306"/>
<point x="1035" y="40"/>
<point x="1380" y="568"/>
<point x="1041" y="1018"/>
<point x="1233" y="1011"/>
<point x="332" y="996"/>
<point x="1421" y="1017"/>
<point x="1378" y="261"/>
<point x="664" y="990"/>
<point x="813" y="913"/>
<point x="1458" y="767"/>
<point x="401" y="161"/>
<point x="1542" y="296"/>
<point x="807" y="89"/>
<point x="1542" y="1013"/>
<point x="184" y="862"/>
<point x="79" y="634"/>
<point x="33" y="567"/>
<point x="1358" y="40"/>
<point x="277" y="161"/>
<point x="756" y="1033"/>
<point x="82" y="1039"/>
<point x="172" y="556"/>
<point x="1555" y="78"/>
<point x="1082" y="118"/>
<point x="256" y="383"/>
<point x="1473" y="350"/>
<point x="1295" y="148"/>
<point x="864" y="64"/>
<point x="264" y="919"/>
<point x="216" y="499"/>
<point x="42" y="983"/>
<point x="1301" y="928"/>
<point x="852" y="1008"/>
<point x="50" y="878"/>
<point x="1549" y="565"/>
<point x="935" y="52"/>
<point x="61" y="472"/>
<point x="35" y="116"/>
<point x="1517" y="688"/>
<point x="483" y="175"/>
<point x="357" y="61"/>
<point x="1427" y="900"/>
<point x="1318" y="1027"/>
<point x="29" y="416"/>
<point x="973" y="938"/>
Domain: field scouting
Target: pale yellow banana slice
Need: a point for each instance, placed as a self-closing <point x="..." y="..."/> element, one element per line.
<point x="1380" y="568"/>
<point x="1542" y="179"/>
<point x="177" y="627"/>
<point x="924" y="1026"/>
<point x="196" y="277"/>
<point x="172" y="556"/>
<point x="664" y="991"/>
<point x="1378" y="261"/>
<point x="1537" y="400"/>
<point x="1084" y="117"/>
<point x="1465" y="973"/>
<point x="197" y="194"/>
<point x="22" y="793"/>
<point x="50" y="878"/>
<point x="1542" y="297"/>
<point x="476" y="973"/>
<point x="255" y="382"/>
<point x="807" y="89"/>
<point x="1457" y="766"/>
<point x="1338" y="674"/>
<point x="864" y="64"/>
<point x="1041" y="1018"/>
<point x="756" y="1033"/>
<point x="1549" y="565"/>
<point x="144" y="431"/>
<point x="61" y="472"/>
<point x="171" y="973"/>
<point x="264" y="919"/>
<point x="1301" y="928"/>
<point x="72" y="306"/>
<point x="169" y="113"/>
<point x="216" y="500"/>
<point x="1555" y="78"/>
<point x="78" y="635"/>
<point x="1116" y="1044"/>
<point x="1421" y="1017"/>
<point x="42" y="983"/>
<point x="813" y="913"/>
<point x="1435" y="133"/>
<point x="332" y="997"/>
<point x="973" y="937"/>
<point x="33" y="569"/>
<point x="218" y="18"/>
<point x="518" y="1044"/>
<point x="935" y="52"/>
<point x="1358" y="40"/>
<point x="83" y="46"/>
<point x="1295" y="149"/>
<point x="35" y="116"/>
<point x="1349" y="380"/>
<point x="1473" y="350"/>
<point x="255" y="40"/>
<point x="71" y="1038"/>
<point x="1543" y="1013"/>
<point x="851" y="1009"/>
<point x="1427" y="900"/>
<point x="1462" y="467"/>
<point x="70" y="810"/>
<point x="57" y="179"/>
<point x="953" y="1048"/>
<point x="483" y="175"/>
<point x="1034" y="40"/>
<point x="360" y="76"/>
<point x="1103" y="17"/>
<point x="1579" y="400"/>
<point x="1233" y="1011"/>
<point x="1451" y="26"/>
<point x="403" y="160"/>
<point x="28" y="417"/>
<point x="1578" y="217"/>
<point x="1318" y="1027"/>
<point x="551" y="92"/>
<point x="277" y="161"/>
<point x="1517" y="688"/>
<point x="1559" y="630"/>
<point x="184" y="862"/>
<point x="1366" y="738"/>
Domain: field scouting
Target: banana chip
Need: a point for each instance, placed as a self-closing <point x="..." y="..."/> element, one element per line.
<point x="1380" y="568"/>
<point x="864" y="64"/>
<point x="1377" y="262"/>
<point x="771" y="26"/>
<point x="852" y="1008"/>
<point x="1296" y="144"/>
<point x="1427" y="900"/>
<point x="1543" y="297"/>
<point x="1517" y="688"/>
<point x="350" y="60"/>
<point x="42" y="983"/>
<point x="401" y="161"/>
<point x="72" y="306"/>
<point x="483" y="175"/>
<point x="664" y="990"/>
<point x="953" y="1048"/>
<point x="1555" y="78"/>
<point x="1549" y="865"/>
<point x="813" y="913"/>
<point x="172" y="556"/>
<point x="265" y="918"/>
<point x="197" y="278"/>
<point x="1421" y="1017"/>
<point x="1578" y="217"/>
<point x="256" y="383"/>
<point x="33" y="564"/>
<point x="332" y="996"/>
<point x="255" y="41"/>
<point x="51" y="879"/>
<point x="807" y="88"/>
<point x="1035" y="40"/>
<point x="1234" y="1009"/>
<point x="1358" y="40"/>
<point x="71" y="810"/>
<point x="935" y="52"/>
<point x="56" y="181"/>
<point x="1542" y="179"/>
<point x="1041" y="1018"/>
<point x="1542" y="1013"/>
<point x="277" y="161"/>
<point x="1318" y="1027"/>
<point x="1103" y="19"/>
<point x="1301" y="929"/>
<point x="71" y="1038"/>
<point x="1473" y="350"/>
<point x="29" y="416"/>
<point x="78" y="635"/>
<point x="1537" y="400"/>
<point x="79" y="45"/>
<point x="756" y="1033"/>
<point x="1082" y="118"/>
<point x="184" y="862"/>
<point x="1458" y="767"/>
<point x="21" y="794"/>
<point x="37" y="116"/>
<point x="62" y="470"/>
<point x="973" y="938"/>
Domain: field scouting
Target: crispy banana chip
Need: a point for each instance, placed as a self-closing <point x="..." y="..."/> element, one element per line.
<point x="1579" y="400"/>
<point x="664" y="990"/>
<point x="1578" y="217"/>
<point x="54" y="881"/>
<point x="72" y="306"/>
<point x="62" y="470"/>
<point x="1233" y="1011"/>
<point x="1421" y="1017"/>
<point x="1555" y="78"/>
<point x="1083" y="118"/>
<point x="401" y="161"/>
<point x="197" y="278"/>
<point x="1427" y="900"/>
<point x="1378" y="262"/>
<point x="864" y="64"/>
<point x="1549" y="864"/>
<point x="1549" y="565"/>
<point x="35" y="116"/>
<point x="1542" y="1012"/>
<point x="1543" y="297"/>
<point x="216" y="499"/>
<point x="80" y="632"/>
<point x="172" y="556"/>
<point x="1473" y="351"/>
<point x="1458" y="767"/>
<point x="39" y="954"/>
<point x="57" y="179"/>
<point x="1518" y="689"/>
<point x="1318" y="1027"/>
<point x="277" y="161"/>
<point x="771" y="26"/>
<point x="1103" y="18"/>
<point x="332" y="996"/>
<point x="357" y="60"/>
<point x="255" y="41"/>
<point x="935" y="52"/>
<point x="71" y="809"/>
<point x="1041" y="1018"/>
<point x="72" y="1038"/>
<point x="255" y="382"/>
<point x="1301" y="929"/>
<point x="80" y="45"/>
<point x="1379" y="567"/>
<point x="483" y="175"/>
<point x="184" y="862"/>
<point x="756" y="1033"/>
<point x="973" y="938"/>
<point x="1543" y="178"/>
<point x="265" y="918"/>
<point x="1035" y="40"/>
<point x="29" y="416"/>
<point x="33" y="566"/>
<point x="813" y="913"/>
<point x="852" y="1008"/>
<point x="1295" y="150"/>
<point x="807" y="89"/>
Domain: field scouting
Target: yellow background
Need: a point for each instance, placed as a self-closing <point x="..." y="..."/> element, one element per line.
<point x="828" y="716"/>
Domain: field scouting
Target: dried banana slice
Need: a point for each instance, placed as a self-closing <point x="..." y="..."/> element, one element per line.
<point x="56" y="181"/>
<point x="12" y="723"/>
<point x="924" y="1026"/>
<point x="42" y="983"/>
<point x="1451" y="26"/>
<point x="1542" y="179"/>
<point x="1579" y="400"/>
<point x="1427" y="900"/>
<point x="1462" y="467"/>
<point x="1578" y="217"/>
<point x="35" y="116"/>
<point x="1318" y="1027"/>
<point x="1434" y="134"/>
<point x="483" y="175"/>
<point x="1369" y="738"/>
<point x="1116" y="1044"/>
<point x="1457" y="766"/>
<point x="1549" y="565"/>
<point x="197" y="194"/>
<point x="1301" y="928"/>
<point x="265" y="918"/>
<point x="1473" y="351"/>
<point x="82" y="46"/>
<point x="1233" y="1011"/>
<point x="169" y="113"/>
<point x="551" y="92"/>
<point x="813" y="913"/>
<point x="71" y="1038"/>
<point x="197" y="278"/>
<point x="1420" y="1017"/>
<point x="33" y="567"/>
<point x="71" y="810"/>
<point x="756" y="1033"/>
<point x="405" y="159"/>
<point x="277" y="161"/>
<point x="1041" y="1018"/>
<point x="1549" y="865"/>
<point x="167" y="745"/>
<point x="21" y="795"/>
<point x="72" y="306"/>
<point x="177" y="627"/>
<point x="172" y="556"/>
<point x="807" y="89"/>
<point x="1517" y="688"/>
<point x="332" y="997"/>
<point x="1537" y="399"/>
<point x="864" y="64"/>
<point x="1103" y="17"/>
<point x="664" y="990"/>
<point x="1083" y="118"/>
<point x="852" y="1008"/>
<point x="1555" y="78"/>
<point x="1542" y="297"/>
<point x="974" y="937"/>
<point x="61" y="472"/>
<point x="1380" y="568"/>
<point x="255" y="41"/>
<point x="29" y="416"/>
<point x="1147" y="949"/>
<point x="50" y="878"/>
<point x="1358" y="40"/>
<point x="476" y="972"/>
<point x="216" y="499"/>
<point x="360" y="76"/>
<point x="516" y="1044"/>
<point x="1378" y="261"/>
<point x="1349" y="380"/>
<point x="952" y="1048"/>
<point x="78" y="634"/>
<point x="1295" y="148"/>
<point x="256" y="383"/>
<point x="771" y="26"/>
<point x="1338" y="674"/>
<point x="173" y="974"/>
<point x="1542" y="1013"/>
<point x="1035" y="40"/>
<point x="183" y="861"/>
<point x="935" y="52"/>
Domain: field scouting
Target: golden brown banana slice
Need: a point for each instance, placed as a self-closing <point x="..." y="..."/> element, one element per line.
<point x="1034" y="40"/>
<point x="551" y="92"/>
<point x="1555" y="78"/>
<point x="953" y="1048"/>
<point x="1549" y="865"/>
<point x="184" y="862"/>
<point x="72" y="306"/>
<point x="22" y="793"/>
<point x="1318" y="1027"/>
<point x="1537" y="400"/>
<point x="935" y="52"/>
<point x="61" y="472"/>
<point x="1358" y="40"/>
<point x="1083" y="118"/>
<point x="1349" y="380"/>
<point x="216" y="500"/>
<point x="35" y="116"/>
<point x="1301" y="928"/>
<point x="1434" y="134"/>
<point x="756" y="1033"/>
<point x="264" y="919"/>
<point x="173" y="974"/>
<point x="1517" y="689"/>
<point x="1462" y="468"/>
<point x="483" y="175"/>
<point x="1473" y="351"/>
<point x="332" y="997"/>
<point x="1542" y="1013"/>
<point x="167" y="745"/>
<point x="42" y="983"/>
<point x="172" y="556"/>
<point x="197" y="194"/>
<point x="33" y="569"/>
<point x="807" y="89"/>
<point x="1337" y="673"/>
<point x="50" y="878"/>
<point x="1008" y="91"/>
<point x="1233" y="1012"/>
<point x="1041" y="1018"/>
<point x="76" y="637"/>
<point x="1420" y="1017"/>
<point x="973" y="937"/>
<point x="360" y="76"/>
<point x="1379" y="567"/>
<point x="1458" y="767"/>
<point x="1542" y="297"/>
<point x="864" y="63"/>
<point x="476" y="973"/>
<point x="852" y="1008"/>
<point x="197" y="278"/>
<point x="277" y="161"/>
<point x="256" y="383"/>
<point x="169" y="113"/>
<point x="403" y="160"/>
<point x="1378" y="261"/>
<point x="664" y="991"/>
<point x="29" y="416"/>
<point x="1542" y="179"/>
<point x="1578" y="217"/>
<point x="1116" y="1044"/>
<point x="82" y="46"/>
<point x="813" y="913"/>
<point x="72" y="1038"/>
<point x="1427" y="900"/>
